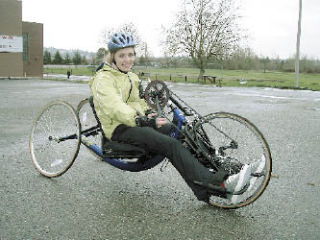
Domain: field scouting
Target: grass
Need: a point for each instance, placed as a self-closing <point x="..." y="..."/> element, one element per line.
<point x="81" y="71"/>
<point x="228" y="77"/>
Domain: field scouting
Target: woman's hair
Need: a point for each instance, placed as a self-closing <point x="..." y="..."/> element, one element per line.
<point x="109" y="58"/>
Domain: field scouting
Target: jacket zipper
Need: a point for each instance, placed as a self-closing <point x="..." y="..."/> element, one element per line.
<point x="130" y="89"/>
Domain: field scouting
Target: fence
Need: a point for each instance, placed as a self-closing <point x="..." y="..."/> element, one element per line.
<point x="180" y="78"/>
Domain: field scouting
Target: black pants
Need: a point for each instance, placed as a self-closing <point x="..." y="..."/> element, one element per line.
<point x="158" y="141"/>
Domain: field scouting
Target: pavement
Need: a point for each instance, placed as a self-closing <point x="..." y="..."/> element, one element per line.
<point x="96" y="201"/>
<point x="72" y="78"/>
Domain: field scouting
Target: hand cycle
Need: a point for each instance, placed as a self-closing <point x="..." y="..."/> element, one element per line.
<point x="217" y="139"/>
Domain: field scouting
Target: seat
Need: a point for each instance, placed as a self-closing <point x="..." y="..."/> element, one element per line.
<point x="115" y="149"/>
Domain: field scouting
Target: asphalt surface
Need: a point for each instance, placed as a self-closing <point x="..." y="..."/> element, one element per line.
<point x="93" y="200"/>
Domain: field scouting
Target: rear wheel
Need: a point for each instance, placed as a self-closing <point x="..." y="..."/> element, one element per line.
<point x="235" y="141"/>
<point x="55" y="139"/>
<point x="88" y="121"/>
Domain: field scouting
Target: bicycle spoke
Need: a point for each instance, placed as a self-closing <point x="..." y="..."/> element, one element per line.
<point x="51" y="156"/>
<point x="249" y="147"/>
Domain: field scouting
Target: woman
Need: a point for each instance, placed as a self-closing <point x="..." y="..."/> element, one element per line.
<point x="125" y="117"/>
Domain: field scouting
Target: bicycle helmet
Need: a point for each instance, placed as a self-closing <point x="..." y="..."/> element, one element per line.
<point x="120" y="40"/>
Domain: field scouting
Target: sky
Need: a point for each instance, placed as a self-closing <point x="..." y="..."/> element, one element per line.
<point x="271" y="25"/>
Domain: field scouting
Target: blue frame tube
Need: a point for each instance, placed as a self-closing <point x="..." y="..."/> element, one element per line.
<point x="179" y="118"/>
<point x="138" y="166"/>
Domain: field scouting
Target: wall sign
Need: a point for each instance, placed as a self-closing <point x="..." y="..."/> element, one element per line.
<point x="10" y="43"/>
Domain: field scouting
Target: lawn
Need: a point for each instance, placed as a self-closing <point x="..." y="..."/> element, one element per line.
<point x="241" y="78"/>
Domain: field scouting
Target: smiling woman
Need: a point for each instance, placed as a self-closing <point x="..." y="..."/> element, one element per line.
<point x="125" y="117"/>
<point x="121" y="54"/>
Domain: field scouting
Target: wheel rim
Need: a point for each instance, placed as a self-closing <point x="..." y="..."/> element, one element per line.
<point x="252" y="147"/>
<point x="51" y="156"/>
<point x="88" y="120"/>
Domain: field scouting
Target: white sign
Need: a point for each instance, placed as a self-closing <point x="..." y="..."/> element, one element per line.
<point x="11" y="43"/>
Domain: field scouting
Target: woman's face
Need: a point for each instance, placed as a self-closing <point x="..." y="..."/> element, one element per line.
<point x="124" y="59"/>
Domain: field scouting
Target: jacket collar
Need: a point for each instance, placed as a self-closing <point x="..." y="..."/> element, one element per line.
<point x="107" y="67"/>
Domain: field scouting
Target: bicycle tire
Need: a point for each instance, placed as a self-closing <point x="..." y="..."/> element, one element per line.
<point x="88" y="120"/>
<point x="52" y="151"/>
<point x="221" y="128"/>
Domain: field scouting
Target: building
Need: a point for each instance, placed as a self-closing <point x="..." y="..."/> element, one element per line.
<point x="21" y="43"/>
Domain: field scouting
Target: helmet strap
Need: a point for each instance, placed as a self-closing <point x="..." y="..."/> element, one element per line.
<point x="116" y="67"/>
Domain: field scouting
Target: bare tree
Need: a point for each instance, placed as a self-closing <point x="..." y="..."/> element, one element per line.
<point x="204" y="30"/>
<point x="145" y="55"/>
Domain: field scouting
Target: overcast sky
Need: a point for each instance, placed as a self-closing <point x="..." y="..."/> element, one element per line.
<point x="271" y="24"/>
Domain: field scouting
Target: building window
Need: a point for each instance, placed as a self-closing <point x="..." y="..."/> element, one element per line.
<point x="25" y="55"/>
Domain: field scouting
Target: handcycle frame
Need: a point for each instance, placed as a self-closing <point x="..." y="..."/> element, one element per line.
<point x="189" y="131"/>
<point x="179" y="119"/>
<point x="121" y="163"/>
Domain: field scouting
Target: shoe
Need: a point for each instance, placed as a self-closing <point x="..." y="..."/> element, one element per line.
<point x="236" y="182"/>
<point x="256" y="167"/>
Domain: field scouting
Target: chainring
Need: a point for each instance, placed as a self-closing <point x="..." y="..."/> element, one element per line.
<point x="156" y="93"/>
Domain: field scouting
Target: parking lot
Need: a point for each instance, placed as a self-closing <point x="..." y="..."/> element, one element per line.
<point x="96" y="201"/>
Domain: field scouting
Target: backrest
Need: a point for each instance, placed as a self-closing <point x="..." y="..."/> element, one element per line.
<point x="96" y="117"/>
<point x="100" y="66"/>
<point x="112" y="149"/>
<point x="93" y="110"/>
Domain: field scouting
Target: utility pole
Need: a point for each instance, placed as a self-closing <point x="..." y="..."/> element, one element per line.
<point x="296" y="79"/>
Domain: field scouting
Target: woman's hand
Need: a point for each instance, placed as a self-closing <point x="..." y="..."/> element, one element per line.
<point x="160" y="122"/>
<point x="151" y="115"/>
<point x="151" y="121"/>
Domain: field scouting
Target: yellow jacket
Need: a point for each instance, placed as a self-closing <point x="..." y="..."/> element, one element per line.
<point x="116" y="98"/>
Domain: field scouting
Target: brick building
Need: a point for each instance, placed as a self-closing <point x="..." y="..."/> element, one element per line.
<point x="21" y="43"/>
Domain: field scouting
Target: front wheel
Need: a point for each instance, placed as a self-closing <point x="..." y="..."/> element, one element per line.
<point x="55" y="139"/>
<point x="235" y="141"/>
